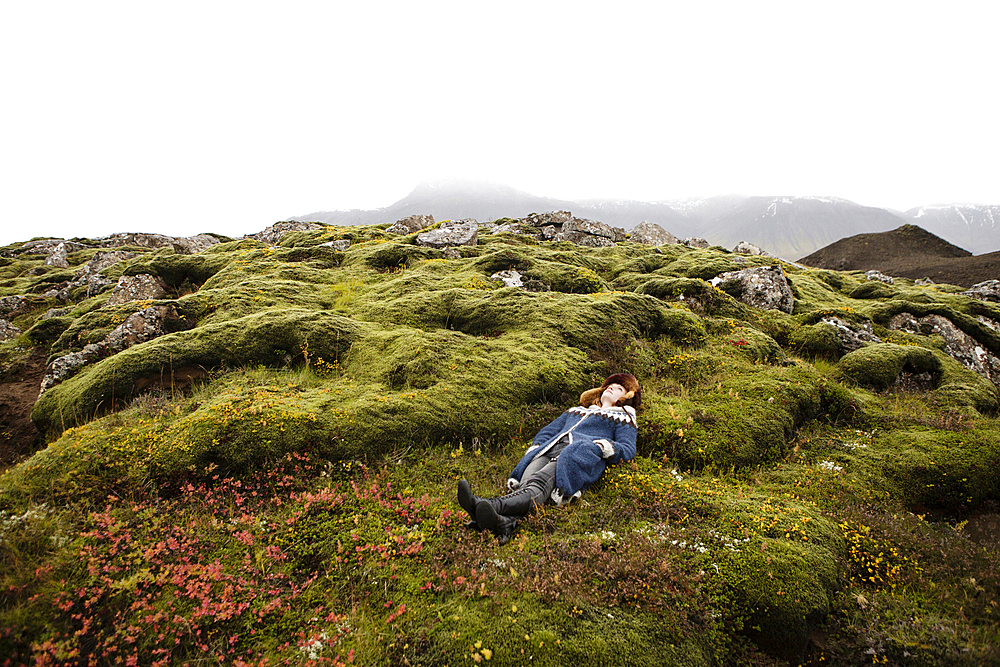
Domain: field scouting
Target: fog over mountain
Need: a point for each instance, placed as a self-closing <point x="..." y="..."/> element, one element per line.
<point x="789" y="227"/>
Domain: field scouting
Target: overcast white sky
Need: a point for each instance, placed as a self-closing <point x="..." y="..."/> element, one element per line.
<point x="181" y="117"/>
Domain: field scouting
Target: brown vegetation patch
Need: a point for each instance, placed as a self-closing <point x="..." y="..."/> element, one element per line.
<point x="18" y="436"/>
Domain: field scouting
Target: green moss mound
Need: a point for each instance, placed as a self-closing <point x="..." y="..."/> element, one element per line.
<point x="879" y="366"/>
<point x="270" y="338"/>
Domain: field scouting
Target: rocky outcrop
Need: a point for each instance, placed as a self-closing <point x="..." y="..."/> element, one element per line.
<point x="272" y="235"/>
<point x="8" y="330"/>
<point x="138" y="239"/>
<point x="90" y="273"/>
<point x="880" y="277"/>
<point x="992" y="324"/>
<point x="192" y="245"/>
<point x="339" y="244"/>
<point x="550" y="219"/>
<point x="649" y="233"/>
<point x="67" y="366"/>
<point x="451" y="233"/>
<point x="512" y="227"/>
<point x="762" y="287"/>
<point x="746" y="248"/>
<point x="590" y="233"/>
<point x="46" y="247"/>
<point x="410" y="224"/>
<point x="57" y="257"/>
<point x="139" y="327"/>
<point x="511" y="278"/>
<point x="905" y="322"/>
<point x="957" y="344"/>
<point x="988" y="290"/>
<point x="13" y="305"/>
<point x="696" y="242"/>
<point x="851" y="335"/>
<point x="137" y="288"/>
<point x="53" y="312"/>
<point x="562" y="226"/>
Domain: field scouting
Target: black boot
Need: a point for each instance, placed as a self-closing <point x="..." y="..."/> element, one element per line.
<point x="501" y="515"/>
<point x="468" y="502"/>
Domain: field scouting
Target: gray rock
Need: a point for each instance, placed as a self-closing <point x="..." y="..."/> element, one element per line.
<point x="649" y="233"/>
<point x="548" y="233"/>
<point x="272" y="235"/>
<point x="513" y="228"/>
<point x="192" y="245"/>
<point x="451" y="233"/>
<point x="137" y="288"/>
<point x="745" y="248"/>
<point x="852" y="336"/>
<point x="65" y="366"/>
<point x="57" y="257"/>
<point x="142" y="240"/>
<point x="95" y="285"/>
<point x="762" y="287"/>
<point x="696" y="242"/>
<point x="880" y="277"/>
<point x="339" y="244"/>
<point x="452" y="253"/>
<point x="90" y="273"/>
<point x="962" y="347"/>
<point x="138" y="327"/>
<point x="53" y="312"/>
<point x="8" y="330"/>
<point x="410" y="224"/>
<point x="511" y="278"/>
<point x="923" y="282"/>
<point x="554" y="218"/>
<point x="100" y="261"/>
<point x="992" y="324"/>
<point x="957" y="344"/>
<point x="46" y="246"/>
<point x="13" y="305"/>
<point x="590" y="233"/>
<point x="904" y="322"/>
<point x="988" y="290"/>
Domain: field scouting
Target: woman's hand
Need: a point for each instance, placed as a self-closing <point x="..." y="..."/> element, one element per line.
<point x="607" y="449"/>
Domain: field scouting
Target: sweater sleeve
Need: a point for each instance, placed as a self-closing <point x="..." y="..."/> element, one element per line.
<point x="623" y="443"/>
<point x="550" y="430"/>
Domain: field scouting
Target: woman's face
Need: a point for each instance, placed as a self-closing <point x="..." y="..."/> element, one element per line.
<point x="612" y="394"/>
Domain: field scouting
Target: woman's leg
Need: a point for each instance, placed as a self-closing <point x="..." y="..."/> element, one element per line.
<point x="541" y="481"/>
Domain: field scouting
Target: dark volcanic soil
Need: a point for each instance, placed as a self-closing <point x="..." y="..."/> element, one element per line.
<point x="907" y="252"/>
<point x="18" y="436"/>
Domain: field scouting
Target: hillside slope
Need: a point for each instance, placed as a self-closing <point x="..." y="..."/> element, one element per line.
<point x="251" y="450"/>
<point x="909" y="252"/>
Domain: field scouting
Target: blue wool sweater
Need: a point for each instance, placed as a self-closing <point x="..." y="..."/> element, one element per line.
<point x="582" y="462"/>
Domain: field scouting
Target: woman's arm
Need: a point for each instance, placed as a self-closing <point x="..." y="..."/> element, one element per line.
<point x="550" y="430"/>
<point x="621" y="446"/>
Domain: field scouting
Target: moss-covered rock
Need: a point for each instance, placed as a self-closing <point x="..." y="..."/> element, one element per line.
<point x="879" y="366"/>
<point x="816" y="340"/>
<point x="271" y="338"/>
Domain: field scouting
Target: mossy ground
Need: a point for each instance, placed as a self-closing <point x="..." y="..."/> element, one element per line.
<point x="296" y="503"/>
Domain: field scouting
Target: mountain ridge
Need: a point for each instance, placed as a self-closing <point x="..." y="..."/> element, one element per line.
<point x="785" y="226"/>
